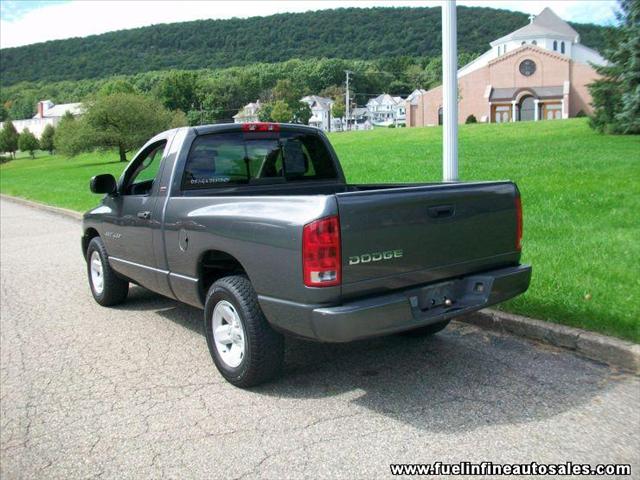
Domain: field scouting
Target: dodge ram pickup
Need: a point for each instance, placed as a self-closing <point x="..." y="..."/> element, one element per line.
<point x="255" y="224"/>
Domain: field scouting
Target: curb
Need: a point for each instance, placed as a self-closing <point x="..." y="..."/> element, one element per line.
<point x="613" y="351"/>
<point x="610" y="350"/>
<point x="65" y="212"/>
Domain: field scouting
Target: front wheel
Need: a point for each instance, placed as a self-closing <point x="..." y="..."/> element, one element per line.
<point x="244" y="347"/>
<point x="106" y="286"/>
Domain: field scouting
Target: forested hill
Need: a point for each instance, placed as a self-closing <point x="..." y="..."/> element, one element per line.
<point x="351" y="33"/>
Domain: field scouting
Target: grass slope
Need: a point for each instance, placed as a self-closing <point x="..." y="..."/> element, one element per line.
<point x="580" y="191"/>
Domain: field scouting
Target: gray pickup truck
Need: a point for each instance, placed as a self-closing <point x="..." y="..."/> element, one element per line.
<point x="256" y="224"/>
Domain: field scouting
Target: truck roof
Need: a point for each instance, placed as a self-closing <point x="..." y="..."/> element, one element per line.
<point x="238" y="127"/>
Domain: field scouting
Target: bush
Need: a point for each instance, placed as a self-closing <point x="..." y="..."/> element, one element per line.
<point x="471" y="119"/>
<point x="581" y="114"/>
<point x="27" y="142"/>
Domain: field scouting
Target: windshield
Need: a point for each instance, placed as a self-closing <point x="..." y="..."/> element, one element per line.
<point x="221" y="159"/>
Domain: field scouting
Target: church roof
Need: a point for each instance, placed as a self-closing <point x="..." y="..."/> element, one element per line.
<point x="540" y="92"/>
<point x="547" y="23"/>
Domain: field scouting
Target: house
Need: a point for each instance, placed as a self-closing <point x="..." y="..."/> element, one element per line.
<point x="360" y="119"/>
<point x="248" y="113"/>
<point x="320" y="111"/>
<point x="47" y="114"/>
<point x="385" y="110"/>
<point x="538" y="72"/>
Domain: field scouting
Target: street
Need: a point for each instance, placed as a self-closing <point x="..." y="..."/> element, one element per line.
<point x="131" y="392"/>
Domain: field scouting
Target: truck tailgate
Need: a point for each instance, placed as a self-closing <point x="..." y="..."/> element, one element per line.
<point x="402" y="236"/>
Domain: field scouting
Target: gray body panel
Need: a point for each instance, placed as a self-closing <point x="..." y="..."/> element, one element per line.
<point x="445" y="231"/>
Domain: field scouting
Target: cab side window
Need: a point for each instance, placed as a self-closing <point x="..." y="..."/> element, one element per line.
<point x="145" y="170"/>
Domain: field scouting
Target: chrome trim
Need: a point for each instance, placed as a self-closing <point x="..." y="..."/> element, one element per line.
<point x="159" y="270"/>
<point x="183" y="277"/>
<point x="139" y="265"/>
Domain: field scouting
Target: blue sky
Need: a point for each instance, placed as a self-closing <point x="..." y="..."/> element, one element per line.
<point x="30" y="21"/>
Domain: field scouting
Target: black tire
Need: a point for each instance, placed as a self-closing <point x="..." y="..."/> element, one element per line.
<point x="263" y="348"/>
<point x="115" y="288"/>
<point x="427" y="329"/>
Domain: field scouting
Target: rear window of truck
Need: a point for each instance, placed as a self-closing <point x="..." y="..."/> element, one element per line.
<point x="223" y="159"/>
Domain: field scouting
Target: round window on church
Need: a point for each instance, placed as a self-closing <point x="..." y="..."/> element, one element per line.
<point x="527" y="68"/>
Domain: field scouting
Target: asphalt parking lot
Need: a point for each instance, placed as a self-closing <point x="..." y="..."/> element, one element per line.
<point x="131" y="392"/>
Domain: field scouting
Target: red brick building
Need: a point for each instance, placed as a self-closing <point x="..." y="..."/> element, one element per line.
<point x="539" y="72"/>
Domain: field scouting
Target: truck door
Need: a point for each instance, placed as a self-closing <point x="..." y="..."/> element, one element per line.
<point x="137" y="214"/>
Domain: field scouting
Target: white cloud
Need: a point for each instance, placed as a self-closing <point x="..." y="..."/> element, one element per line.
<point x="82" y="18"/>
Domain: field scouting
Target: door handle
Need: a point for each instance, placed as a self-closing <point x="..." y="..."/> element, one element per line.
<point x="144" y="215"/>
<point x="441" y="211"/>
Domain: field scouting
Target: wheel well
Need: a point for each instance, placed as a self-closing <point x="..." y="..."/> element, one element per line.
<point x="215" y="264"/>
<point x="89" y="234"/>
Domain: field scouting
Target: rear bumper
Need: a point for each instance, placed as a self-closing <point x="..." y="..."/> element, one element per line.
<point x="398" y="311"/>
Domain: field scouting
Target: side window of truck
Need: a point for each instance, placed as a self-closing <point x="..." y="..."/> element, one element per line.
<point x="145" y="170"/>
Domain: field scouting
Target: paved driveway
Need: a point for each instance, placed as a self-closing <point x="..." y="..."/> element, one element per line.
<point x="131" y="392"/>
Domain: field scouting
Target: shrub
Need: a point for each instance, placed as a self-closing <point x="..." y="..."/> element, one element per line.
<point x="471" y="119"/>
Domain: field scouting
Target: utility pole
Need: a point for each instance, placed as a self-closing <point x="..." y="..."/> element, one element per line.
<point x="449" y="92"/>
<point x="348" y="72"/>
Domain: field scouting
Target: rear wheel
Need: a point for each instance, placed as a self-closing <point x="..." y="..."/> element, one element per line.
<point x="427" y="329"/>
<point x="244" y="347"/>
<point x="106" y="286"/>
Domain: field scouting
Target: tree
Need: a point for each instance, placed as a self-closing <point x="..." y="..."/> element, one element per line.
<point x="301" y="113"/>
<point x="46" y="139"/>
<point x="286" y="91"/>
<point x="281" y="112"/>
<point x="179" y="119"/>
<point x="339" y="108"/>
<point x="264" y="114"/>
<point x="177" y="90"/>
<point x="124" y="121"/>
<point x="118" y="85"/>
<point x="27" y="142"/>
<point x="616" y="95"/>
<point x="72" y="136"/>
<point x="335" y="93"/>
<point x="9" y="139"/>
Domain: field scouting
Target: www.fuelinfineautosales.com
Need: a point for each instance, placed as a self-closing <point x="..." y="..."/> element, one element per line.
<point x="490" y="468"/>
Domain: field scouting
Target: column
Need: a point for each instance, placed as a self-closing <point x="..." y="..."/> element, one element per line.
<point x="536" y="104"/>
<point x="514" y="111"/>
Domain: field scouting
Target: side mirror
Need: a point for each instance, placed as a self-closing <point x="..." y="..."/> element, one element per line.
<point x="104" y="183"/>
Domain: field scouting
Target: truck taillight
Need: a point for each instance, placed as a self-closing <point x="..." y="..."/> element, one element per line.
<point x="260" y="127"/>
<point x="518" y="223"/>
<point x="321" y="259"/>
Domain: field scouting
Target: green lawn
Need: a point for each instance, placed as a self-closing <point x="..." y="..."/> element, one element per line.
<point x="580" y="192"/>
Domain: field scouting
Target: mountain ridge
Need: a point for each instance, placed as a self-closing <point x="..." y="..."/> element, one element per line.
<point x="349" y="33"/>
